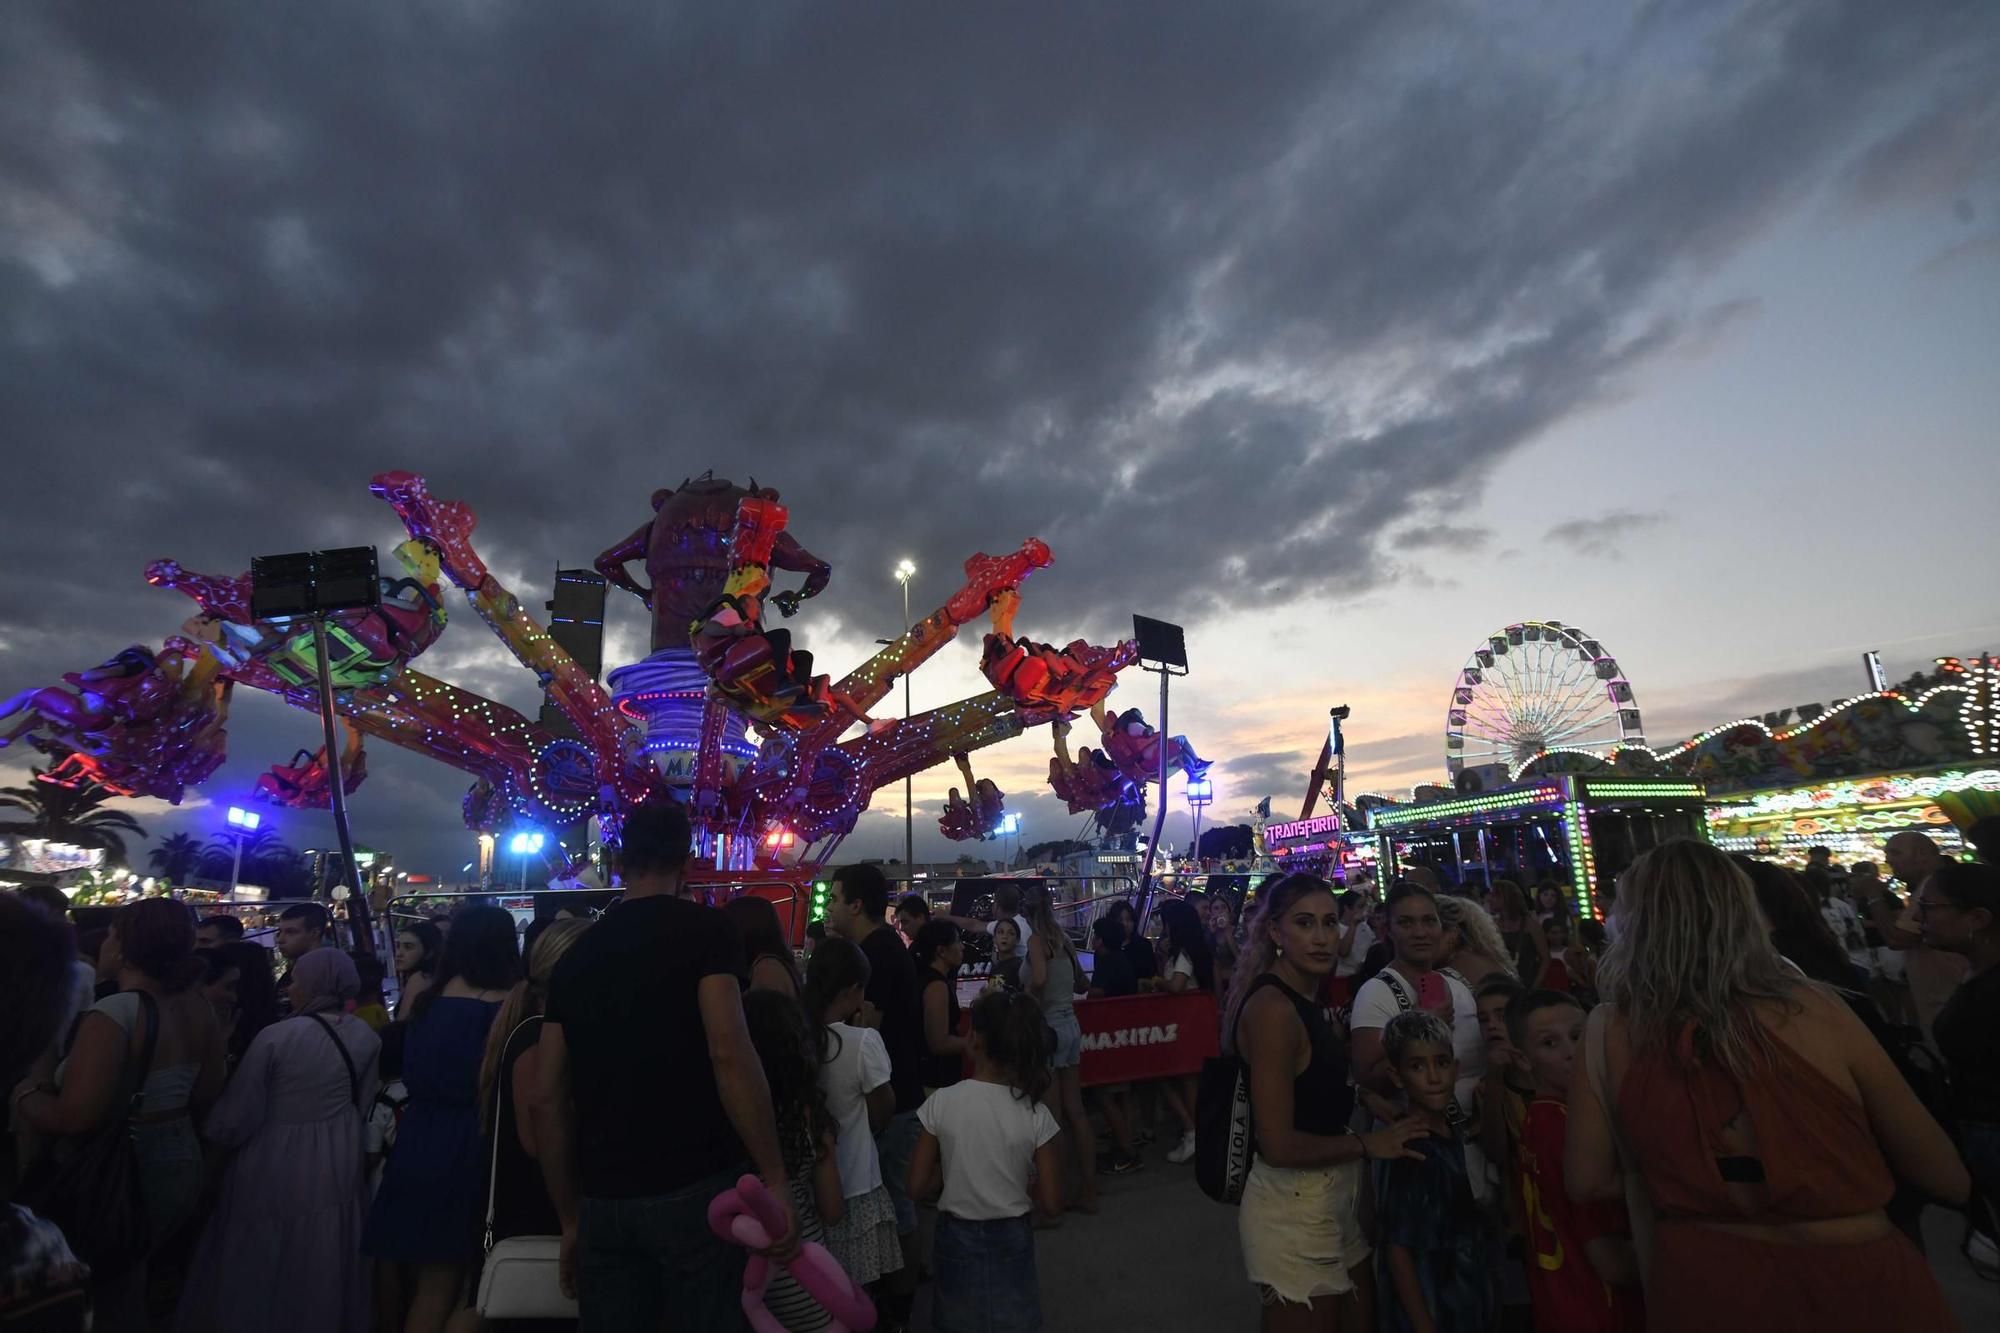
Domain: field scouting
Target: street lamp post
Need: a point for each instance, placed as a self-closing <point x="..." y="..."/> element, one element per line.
<point x="905" y="571"/>
<point x="244" y="823"/>
<point x="525" y="845"/>
<point x="1010" y="825"/>
<point x="1200" y="792"/>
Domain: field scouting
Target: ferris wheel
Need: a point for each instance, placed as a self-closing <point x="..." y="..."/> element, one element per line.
<point x="1539" y="685"/>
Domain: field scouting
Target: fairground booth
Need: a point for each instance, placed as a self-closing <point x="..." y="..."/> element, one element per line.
<point x="1580" y="831"/>
<point x="1919" y="757"/>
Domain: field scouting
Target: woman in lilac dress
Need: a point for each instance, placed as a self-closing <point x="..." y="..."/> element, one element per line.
<point x="283" y="1248"/>
<point x="433" y="1196"/>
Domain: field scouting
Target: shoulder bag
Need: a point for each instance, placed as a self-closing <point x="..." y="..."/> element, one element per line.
<point x="1638" y="1203"/>
<point x="521" y="1276"/>
<point x="93" y="1194"/>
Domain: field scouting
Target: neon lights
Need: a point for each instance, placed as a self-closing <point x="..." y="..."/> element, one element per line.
<point x="1857" y="794"/>
<point x="1660" y="789"/>
<point x="1300" y="828"/>
<point x="1391" y="817"/>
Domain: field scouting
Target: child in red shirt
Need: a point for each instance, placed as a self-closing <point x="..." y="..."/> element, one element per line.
<point x="1582" y="1275"/>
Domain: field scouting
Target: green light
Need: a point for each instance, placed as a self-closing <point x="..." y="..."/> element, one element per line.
<point x="1409" y="814"/>
<point x="1643" y="789"/>
<point x="821" y="889"/>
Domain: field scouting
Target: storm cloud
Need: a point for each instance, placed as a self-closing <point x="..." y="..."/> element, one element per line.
<point x="1224" y="301"/>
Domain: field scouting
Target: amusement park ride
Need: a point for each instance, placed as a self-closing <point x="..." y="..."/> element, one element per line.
<point x="774" y="760"/>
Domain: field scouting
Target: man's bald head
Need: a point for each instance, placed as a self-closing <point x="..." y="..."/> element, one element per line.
<point x="1912" y="856"/>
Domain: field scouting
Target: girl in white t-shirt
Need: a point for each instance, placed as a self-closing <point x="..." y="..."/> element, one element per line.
<point x="981" y="1139"/>
<point x="854" y="1073"/>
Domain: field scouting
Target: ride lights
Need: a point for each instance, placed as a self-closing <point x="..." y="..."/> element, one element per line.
<point x="247" y="820"/>
<point x="779" y="838"/>
<point x="526" y="844"/>
<point x="821" y="890"/>
<point x="1200" y="792"/>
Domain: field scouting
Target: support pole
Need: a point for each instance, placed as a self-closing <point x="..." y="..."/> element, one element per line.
<point x="1159" y="817"/>
<point x="909" y="816"/>
<point x="358" y="917"/>
<point x="236" y="868"/>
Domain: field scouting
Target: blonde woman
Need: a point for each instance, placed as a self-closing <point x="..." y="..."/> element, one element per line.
<point x="1767" y="1125"/>
<point x="1472" y="944"/>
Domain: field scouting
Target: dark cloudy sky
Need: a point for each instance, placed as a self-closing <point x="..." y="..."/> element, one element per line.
<point x="1345" y="333"/>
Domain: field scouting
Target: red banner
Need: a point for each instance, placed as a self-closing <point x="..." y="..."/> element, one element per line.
<point x="1139" y="1037"/>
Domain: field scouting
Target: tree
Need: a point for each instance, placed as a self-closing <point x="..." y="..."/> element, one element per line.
<point x="176" y="858"/>
<point x="70" y="814"/>
<point x="1226" y="842"/>
<point x="1054" y="850"/>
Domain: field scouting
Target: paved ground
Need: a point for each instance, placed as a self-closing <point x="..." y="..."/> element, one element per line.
<point x="1161" y="1255"/>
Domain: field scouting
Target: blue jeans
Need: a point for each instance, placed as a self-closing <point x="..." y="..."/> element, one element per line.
<point x="652" y="1263"/>
<point x="985" y="1276"/>
<point x="897" y="1141"/>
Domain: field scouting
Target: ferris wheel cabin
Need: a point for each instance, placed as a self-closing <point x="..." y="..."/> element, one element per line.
<point x="1579" y="831"/>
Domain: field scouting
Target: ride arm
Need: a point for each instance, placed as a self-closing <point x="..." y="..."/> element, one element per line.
<point x="612" y="563"/>
<point x="788" y="555"/>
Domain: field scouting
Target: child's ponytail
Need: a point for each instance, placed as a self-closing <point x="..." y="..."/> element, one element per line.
<point x="1012" y="1028"/>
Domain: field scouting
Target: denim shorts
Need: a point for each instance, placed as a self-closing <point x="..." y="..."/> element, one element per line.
<point x="897" y="1142"/>
<point x="985" y="1276"/>
<point x="1066" y="1044"/>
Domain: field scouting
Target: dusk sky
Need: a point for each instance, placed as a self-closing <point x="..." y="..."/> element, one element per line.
<point x="1344" y="334"/>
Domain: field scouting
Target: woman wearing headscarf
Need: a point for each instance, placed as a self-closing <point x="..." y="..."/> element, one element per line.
<point x="283" y="1249"/>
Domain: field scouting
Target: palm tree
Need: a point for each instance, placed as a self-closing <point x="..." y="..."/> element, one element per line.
<point x="176" y="858"/>
<point x="70" y="814"/>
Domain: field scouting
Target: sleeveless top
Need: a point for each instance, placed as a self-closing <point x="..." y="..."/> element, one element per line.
<point x="941" y="1071"/>
<point x="1322" y="1098"/>
<point x="521" y="1205"/>
<point x="1058" y="995"/>
<point x="1672" y="1111"/>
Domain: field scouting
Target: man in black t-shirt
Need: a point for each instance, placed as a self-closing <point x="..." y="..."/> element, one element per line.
<point x="654" y="1097"/>
<point x="894" y="1005"/>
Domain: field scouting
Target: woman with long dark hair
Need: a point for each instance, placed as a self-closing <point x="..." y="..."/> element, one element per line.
<point x="1300" y="1223"/>
<point x="150" y="951"/>
<point x="788" y="1048"/>
<point x="1138" y="948"/>
<point x="1760" y="1114"/>
<point x="256" y="993"/>
<point x="1798" y="932"/>
<point x="939" y="953"/>
<point x="428" y="1209"/>
<point x="419" y="948"/>
<point x="772" y="965"/>
<point x="1958" y="911"/>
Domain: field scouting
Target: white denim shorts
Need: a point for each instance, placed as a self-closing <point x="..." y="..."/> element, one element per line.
<point x="1301" y="1229"/>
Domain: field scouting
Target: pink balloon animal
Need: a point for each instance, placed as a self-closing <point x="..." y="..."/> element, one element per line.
<point x="749" y="1216"/>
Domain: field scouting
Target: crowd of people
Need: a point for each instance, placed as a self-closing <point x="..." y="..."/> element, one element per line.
<point x="1726" y="1104"/>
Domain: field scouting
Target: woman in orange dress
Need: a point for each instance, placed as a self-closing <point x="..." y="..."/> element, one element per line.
<point x="1768" y="1125"/>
